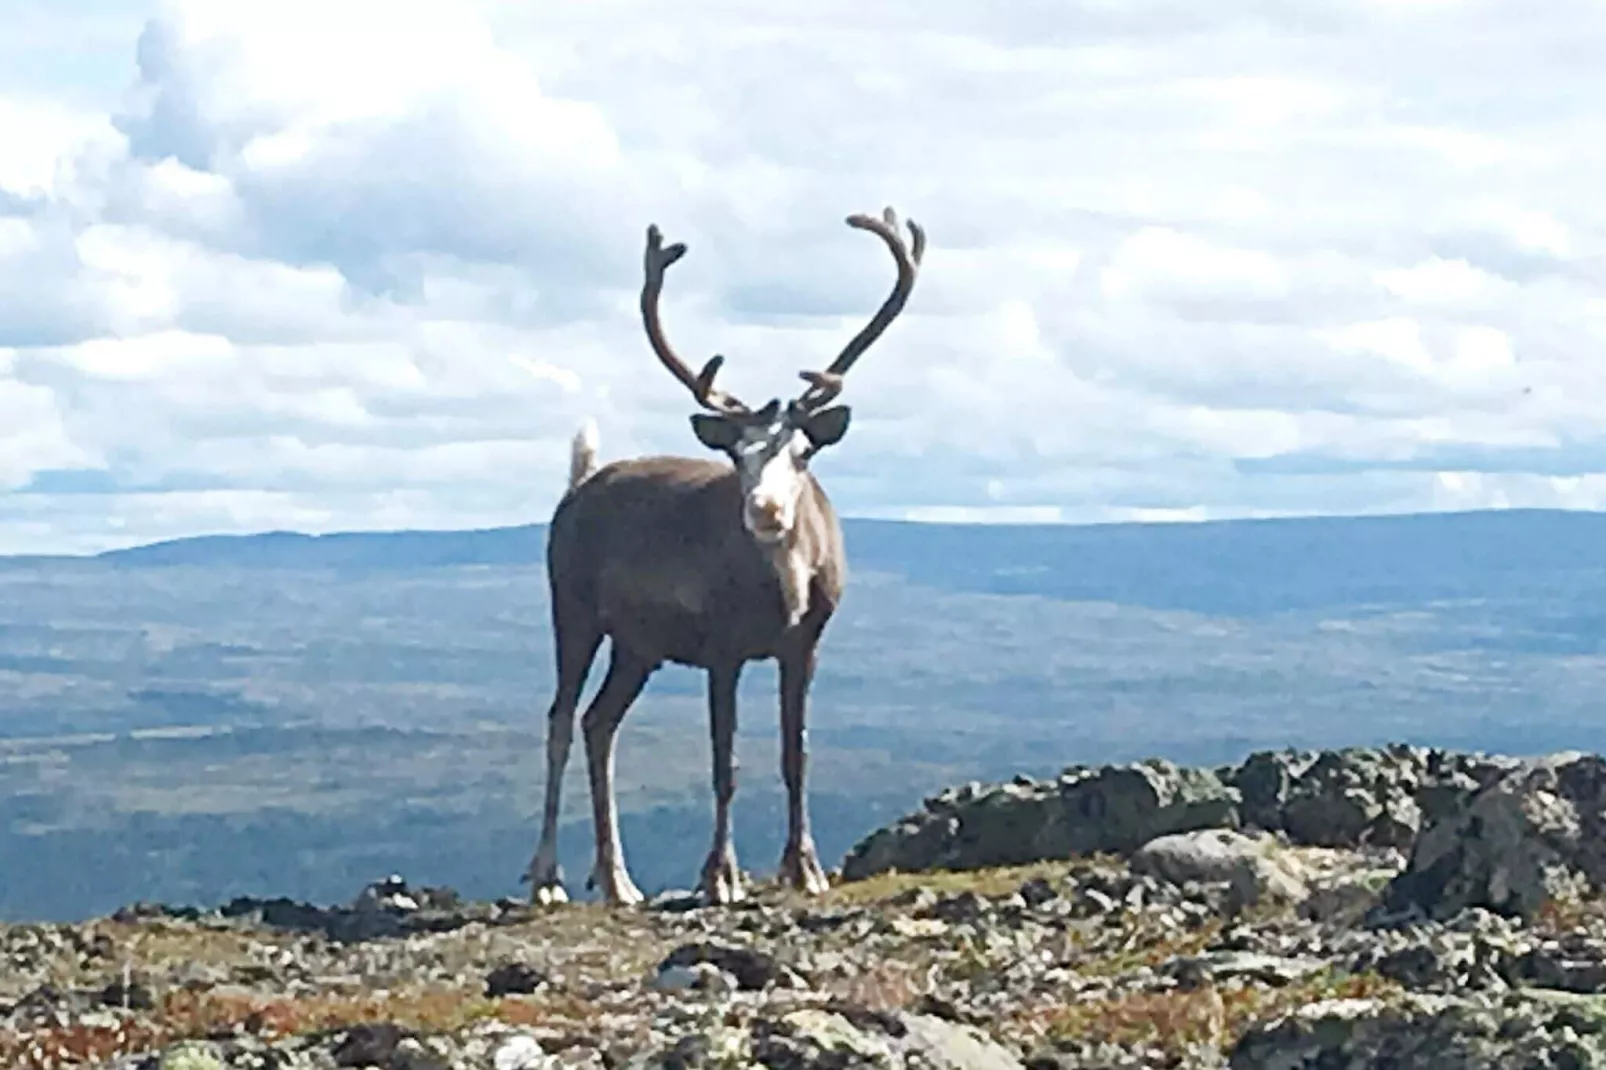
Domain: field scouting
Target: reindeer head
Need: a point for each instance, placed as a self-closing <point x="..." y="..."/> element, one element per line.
<point x="771" y="446"/>
<point x="771" y="449"/>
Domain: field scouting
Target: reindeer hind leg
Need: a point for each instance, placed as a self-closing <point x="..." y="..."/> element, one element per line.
<point x="627" y="675"/>
<point x="576" y="637"/>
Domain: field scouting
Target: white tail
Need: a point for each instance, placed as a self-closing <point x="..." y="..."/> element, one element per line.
<point x="583" y="454"/>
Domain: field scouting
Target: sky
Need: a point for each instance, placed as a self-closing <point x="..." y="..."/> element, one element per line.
<point x="359" y="265"/>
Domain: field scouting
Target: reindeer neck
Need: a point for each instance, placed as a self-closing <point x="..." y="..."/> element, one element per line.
<point x="799" y="557"/>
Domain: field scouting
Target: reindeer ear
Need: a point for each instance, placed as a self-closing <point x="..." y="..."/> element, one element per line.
<point x="826" y="427"/>
<point x="715" y="432"/>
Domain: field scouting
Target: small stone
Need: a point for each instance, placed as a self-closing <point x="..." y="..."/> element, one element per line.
<point x="674" y="978"/>
<point x="520" y="1052"/>
<point x="1038" y="891"/>
<point x="368" y="1044"/>
<point x="191" y="1055"/>
<point x="128" y="994"/>
<point x="1091" y="901"/>
<point x="960" y="907"/>
<point x="411" y="1055"/>
<point x="753" y="970"/>
<point x="676" y="901"/>
<point x="513" y="979"/>
<point x="391" y="893"/>
<point x="710" y="978"/>
<point x="1415" y="967"/>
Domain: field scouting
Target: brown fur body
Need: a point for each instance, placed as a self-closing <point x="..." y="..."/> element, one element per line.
<point x="631" y="555"/>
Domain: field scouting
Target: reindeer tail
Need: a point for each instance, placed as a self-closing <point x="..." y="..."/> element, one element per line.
<point x="583" y="454"/>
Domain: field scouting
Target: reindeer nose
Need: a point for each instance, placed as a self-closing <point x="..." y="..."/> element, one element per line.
<point x="766" y="511"/>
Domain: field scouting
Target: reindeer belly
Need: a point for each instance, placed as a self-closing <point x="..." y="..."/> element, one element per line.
<point x="680" y="618"/>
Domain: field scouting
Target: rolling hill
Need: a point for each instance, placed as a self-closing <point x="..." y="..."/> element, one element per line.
<point x="287" y="714"/>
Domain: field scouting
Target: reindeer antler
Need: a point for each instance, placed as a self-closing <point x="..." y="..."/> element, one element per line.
<point x="827" y="384"/>
<point x="658" y="257"/>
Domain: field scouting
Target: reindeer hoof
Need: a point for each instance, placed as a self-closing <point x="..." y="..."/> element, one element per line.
<point x="627" y="896"/>
<point x="545" y="878"/>
<point x="800" y="869"/>
<point x="548" y="895"/>
<point x="722" y="879"/>
<point x="618" y="890"/>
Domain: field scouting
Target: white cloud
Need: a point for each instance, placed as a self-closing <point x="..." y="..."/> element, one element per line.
<point x="37" y="136"/>
<point x="359" y="265"/>
<point x="1157" y="264"/>
<point x="1397" y="339"/>
<point x="1438" y="281"/>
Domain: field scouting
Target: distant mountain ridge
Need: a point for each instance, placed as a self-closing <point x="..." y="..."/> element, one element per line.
<point x="1234" y="566"/>
<point x="522" y="545"/>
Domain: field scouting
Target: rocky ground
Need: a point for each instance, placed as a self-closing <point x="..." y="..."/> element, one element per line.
<point x="1380" y="908"/>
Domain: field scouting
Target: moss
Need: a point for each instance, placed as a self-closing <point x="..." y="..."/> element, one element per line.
<point x="991" y="883"/>
<point x="185" y="1015"/>
<point x="1174" y="1020"/>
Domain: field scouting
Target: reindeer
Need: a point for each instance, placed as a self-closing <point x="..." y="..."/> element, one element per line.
<point x="706" y="564"/>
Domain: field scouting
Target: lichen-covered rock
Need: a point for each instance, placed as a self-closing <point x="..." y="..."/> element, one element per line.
<point x="1085" y="811"/>
<point x="1430" y="1033"/>
<point x="1536" y="834"/>
<point x="1452" y="778"/>
<point x="1359" y="795"/>
<point x="1573" y="963"/>
<point x="1264" y="782"/>
<point x="1119" y="808"/>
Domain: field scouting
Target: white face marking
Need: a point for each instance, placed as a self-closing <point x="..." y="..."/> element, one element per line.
<point x="770" y="462"/>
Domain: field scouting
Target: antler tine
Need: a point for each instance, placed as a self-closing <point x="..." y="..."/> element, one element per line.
<point x="657" y="258"/>
<point x="908" y="260"/>
<point x="823" y="388"/>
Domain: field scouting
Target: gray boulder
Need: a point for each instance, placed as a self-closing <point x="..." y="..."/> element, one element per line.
<point x="1254" y="867"/>
<point x="1537" y="833"/>
<point x="1113" y="809"/>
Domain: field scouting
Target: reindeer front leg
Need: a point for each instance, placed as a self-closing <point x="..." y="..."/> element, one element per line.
<point x="722" y="878"/>
<point x="800" y="863"/>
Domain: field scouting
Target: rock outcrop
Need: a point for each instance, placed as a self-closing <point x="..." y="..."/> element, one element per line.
<point x="1535" y="835"/>
<point x="1085" y="811"/>
<point x="1357" y="797"/>
<point x="1270" y="916"/>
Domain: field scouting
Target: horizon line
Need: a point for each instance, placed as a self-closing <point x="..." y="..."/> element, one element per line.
<point x="936" y="516"/>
